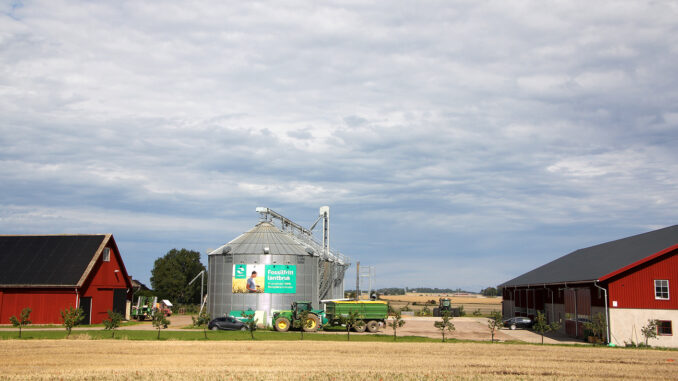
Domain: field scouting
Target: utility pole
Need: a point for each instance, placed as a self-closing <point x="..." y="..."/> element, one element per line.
<point x="357" y="280"/>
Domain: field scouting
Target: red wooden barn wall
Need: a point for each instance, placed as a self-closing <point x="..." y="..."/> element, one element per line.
<point x="635" y="288"/>
<point x="101" y="283"/>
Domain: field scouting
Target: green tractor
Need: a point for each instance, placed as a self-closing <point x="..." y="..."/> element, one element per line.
<point x="284" y="320"/>
<point x="444" y="305"/>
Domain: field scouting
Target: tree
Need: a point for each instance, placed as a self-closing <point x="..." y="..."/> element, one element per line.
<point x="396" y="322"/>
<point x="23" y="319"/>
<point x="494" y="322"/>
<point x="71" y="317"/>
<point x="542" y="327"/>
<point x="462" y="312"/>
<point x="250" y="322"/>
<point x="302" y="322"/>
<point x="489" y="292"/>
<point x="202" y="320"/>
<point x="445" y="324"/>
<point x="160" y="321"/>
<point x="598" y="326"/>
<point x="649" y="331"/>
<point x="113" y="322"/>
<point x="352" y="321"/>
<point x="171" y="274"/>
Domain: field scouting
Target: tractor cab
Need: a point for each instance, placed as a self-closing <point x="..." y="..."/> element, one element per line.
<point x="299" y="307"/>
<point x="445" y="303"/>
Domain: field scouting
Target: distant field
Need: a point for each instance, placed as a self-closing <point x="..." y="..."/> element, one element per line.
<point x="309" y="360"/>
<point x="470" y="303"/>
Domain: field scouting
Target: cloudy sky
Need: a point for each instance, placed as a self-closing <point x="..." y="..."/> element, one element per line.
<point x="458" y="143"/>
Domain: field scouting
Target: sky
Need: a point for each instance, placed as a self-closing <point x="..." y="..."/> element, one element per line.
<point x="458" y="143"/>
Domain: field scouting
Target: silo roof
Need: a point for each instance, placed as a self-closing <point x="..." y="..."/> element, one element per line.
<point x="264" y="234"/>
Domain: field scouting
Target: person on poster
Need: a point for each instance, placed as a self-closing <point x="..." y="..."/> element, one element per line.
<point x="251" y="284"/>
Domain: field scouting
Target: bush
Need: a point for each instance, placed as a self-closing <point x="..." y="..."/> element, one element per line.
<point x="71" y="317"/>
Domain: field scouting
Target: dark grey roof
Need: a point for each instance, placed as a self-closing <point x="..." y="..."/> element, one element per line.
<point x="41" y="260"/>
<point x="264" y="234"/>
<point x="593" y="263"/>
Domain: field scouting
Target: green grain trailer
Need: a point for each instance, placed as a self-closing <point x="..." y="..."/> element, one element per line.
<point x="372" y="313"/>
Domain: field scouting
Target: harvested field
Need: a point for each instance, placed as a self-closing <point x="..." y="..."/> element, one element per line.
<point x="262" y="360"/>
<point x="470" y="303"/>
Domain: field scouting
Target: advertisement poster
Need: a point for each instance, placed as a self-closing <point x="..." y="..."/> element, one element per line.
<point x="257" y="278"/>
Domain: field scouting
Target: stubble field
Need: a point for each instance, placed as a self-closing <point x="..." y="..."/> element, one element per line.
<point x="265" y="360"/>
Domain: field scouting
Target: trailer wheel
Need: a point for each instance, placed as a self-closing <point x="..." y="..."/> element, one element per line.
<point x="373" y="326"/>
<point x="282" y="324"/>
<point x="360" y="328"/>
<point x="312" y="324"/>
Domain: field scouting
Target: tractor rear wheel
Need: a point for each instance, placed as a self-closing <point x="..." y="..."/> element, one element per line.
<point x="373" y="326"/>
<point x="436" y="312"/>
<point x="282" y="324"/>
<point x="360" y="328"/>
<point x="312" y="324"/>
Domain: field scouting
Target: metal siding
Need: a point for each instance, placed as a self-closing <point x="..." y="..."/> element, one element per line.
<point x="636" y="288"/>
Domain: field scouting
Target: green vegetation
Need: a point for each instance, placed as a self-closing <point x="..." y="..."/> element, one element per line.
<point x="396" y="322"/>
<point x="22" y="320"/>
<point x="303" y="322"/>
<point x="113" y="322"/>
<point x="352" y="321"/>
<point x="597" y="327"/>
<point x="201" y="321"/>
<point x="171" y="274"/>
<point x="495" y="322"/>
<point x="250" y="322"/>
<point x="649" y="331"/>
<point x="490" y="292"/>
<point x="71" y="317"/>
<point x="160" y="322"/>
<point x="445" y="324"/>
<point x="540" y="326"/>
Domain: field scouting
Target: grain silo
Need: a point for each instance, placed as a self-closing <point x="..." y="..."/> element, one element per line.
<point x="274" y="264"/>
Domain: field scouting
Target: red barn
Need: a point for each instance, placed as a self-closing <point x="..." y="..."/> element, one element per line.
<point x="630" y="281"/>
<point x="49" y="273"/>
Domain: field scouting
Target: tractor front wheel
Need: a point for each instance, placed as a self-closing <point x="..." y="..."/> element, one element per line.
<point x="373" y="326"/>
<point x="312" y="324"/>
<point x="282" y="324"/>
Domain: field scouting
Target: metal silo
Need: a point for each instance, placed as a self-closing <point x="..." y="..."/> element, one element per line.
<point x="289" y="264"/>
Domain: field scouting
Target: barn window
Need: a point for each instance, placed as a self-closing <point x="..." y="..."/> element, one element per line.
<point x="664" y="328"/>
<point x="661" y="289"/>
<point x="107" y="254"/>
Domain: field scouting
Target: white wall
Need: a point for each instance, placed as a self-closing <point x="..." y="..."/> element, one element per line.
<point x="626" y="323"/>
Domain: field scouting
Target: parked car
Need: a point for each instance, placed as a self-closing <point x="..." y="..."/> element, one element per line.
<point x="227" y="323"/>
<point x="518" y="322"/>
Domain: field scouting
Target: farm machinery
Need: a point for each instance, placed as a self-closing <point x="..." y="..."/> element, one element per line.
<point x="371" y="313"/>
<point x="147" y="306"/>
<point x="445" y="306"/>
<point x="284" y="320"/>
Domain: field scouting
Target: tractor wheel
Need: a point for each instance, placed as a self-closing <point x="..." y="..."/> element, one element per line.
<point x="373" y="326"/>
<point x="312" y="324"/>
<point x="360" y="328"/>
<point x="282" y="324"/>
<point x="436" y="312"/>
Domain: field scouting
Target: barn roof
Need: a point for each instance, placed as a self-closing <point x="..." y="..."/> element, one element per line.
<point x="264" y="234"/>
<point x="48" y="260"/>
<point x="602" y="261"/>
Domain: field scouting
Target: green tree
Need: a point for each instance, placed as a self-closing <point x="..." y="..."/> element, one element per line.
<point x="171" y="274"/>
<point x="71" y="317"/>
<point x="250" y="322"/>
<point x="202" y="320"/>
<point x="490" y="292"/>
<point x="649" y="331"/>
<point x="23" y="320"/>
<point x="303" y="322"/>
<point x="462" y="312"/>
<point x="598" y="326"/>
<point x="352" y="321"/>
<point x="113" y="322"/>
<point x="542" y="327"/>
<point x="445" y="324"/>
<point x="396" y="322"/>
<point x="160" y="321"/>
<point x="494" y="322"/>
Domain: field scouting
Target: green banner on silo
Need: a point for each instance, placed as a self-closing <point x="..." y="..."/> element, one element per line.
<point x="281" y="279"/>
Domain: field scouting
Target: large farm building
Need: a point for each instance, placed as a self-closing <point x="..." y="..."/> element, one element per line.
<point x="630" y="281"/>
<point x="49" y="273"/>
